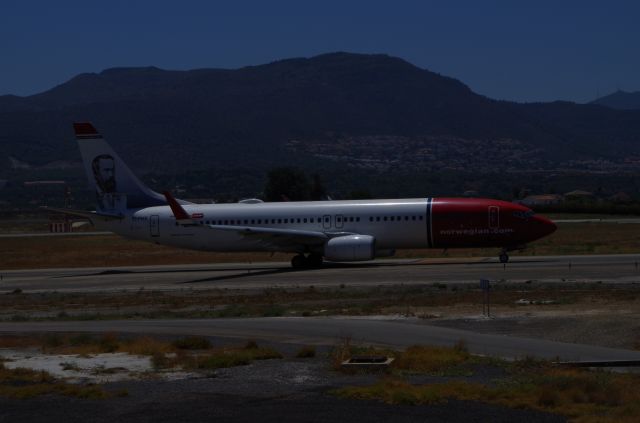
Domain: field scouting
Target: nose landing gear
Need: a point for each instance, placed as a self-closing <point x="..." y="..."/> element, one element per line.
<point x="504" y="256"/>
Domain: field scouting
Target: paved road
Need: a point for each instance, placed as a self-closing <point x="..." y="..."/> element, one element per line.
<point x="300" y="330"/>
<point x="47" y="234"/>
<point x="605" y="268"/>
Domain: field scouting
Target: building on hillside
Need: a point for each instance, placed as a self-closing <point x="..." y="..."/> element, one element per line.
<point x="541" y="200"/>
<point x="579" y="195"/>
<point x="620" y="198"/>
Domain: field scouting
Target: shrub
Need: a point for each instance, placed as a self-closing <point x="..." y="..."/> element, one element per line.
<point x="251" y="345"/>
<point x="306" y="352"/>
<point x="430" y="359"/>
<point x="192" y="343"/>
<point x="109" y="342"/>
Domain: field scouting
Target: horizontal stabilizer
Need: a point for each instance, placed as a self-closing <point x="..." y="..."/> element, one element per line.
<point x="83" y="213"/>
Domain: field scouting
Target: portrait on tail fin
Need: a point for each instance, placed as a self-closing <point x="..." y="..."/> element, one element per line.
<point x="104" y="173"/>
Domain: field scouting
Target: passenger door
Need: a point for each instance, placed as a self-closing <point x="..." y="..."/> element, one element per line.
<point x="154" y="225"/>
<point x="494" y="217"/>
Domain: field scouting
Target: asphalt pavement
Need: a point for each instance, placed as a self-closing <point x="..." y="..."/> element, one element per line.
<point x="622" y="268"/>
<point x="333" y="330"/>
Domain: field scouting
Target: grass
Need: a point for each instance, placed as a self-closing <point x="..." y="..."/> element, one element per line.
<point x="427" y="359"/>
<point x="306" y="352"/>
<point x="25" y="383"/>
<point x="190" y="353"/>
<point x="192" y="343"/>
<point x="580" y="395"/>
<point x="83" y="251"/>
<point x="420" y="300"/>
<point x="215" y="358"/>
<point x="415" y="359"/>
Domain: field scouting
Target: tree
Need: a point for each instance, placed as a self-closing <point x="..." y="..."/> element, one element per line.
<point x="318" y="190"/>
<point x="287" y="184"/>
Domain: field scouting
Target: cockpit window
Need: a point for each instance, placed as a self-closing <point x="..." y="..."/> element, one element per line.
<point x="523" y="214"/>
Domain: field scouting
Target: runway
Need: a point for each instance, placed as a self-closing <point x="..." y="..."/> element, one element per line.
<point x="586" y="268"/>
<point x="331" y="330"/>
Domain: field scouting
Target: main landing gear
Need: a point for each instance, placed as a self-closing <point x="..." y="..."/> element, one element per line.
<point x="504" y="256"/>
<point x="301" y="262"/>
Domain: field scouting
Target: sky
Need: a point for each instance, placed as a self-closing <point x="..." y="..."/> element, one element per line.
<point x="512" y="50"/>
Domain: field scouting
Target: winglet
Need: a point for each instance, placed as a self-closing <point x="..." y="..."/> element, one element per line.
<point x="85" y="130"/>
<point x="179" y="212"/>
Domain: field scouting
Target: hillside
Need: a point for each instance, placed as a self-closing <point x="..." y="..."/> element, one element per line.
<point x="620" y="100"/>
<point x="373" y="114"/>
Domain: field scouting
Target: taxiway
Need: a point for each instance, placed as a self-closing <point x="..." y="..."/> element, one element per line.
<point x="587" y="268"/>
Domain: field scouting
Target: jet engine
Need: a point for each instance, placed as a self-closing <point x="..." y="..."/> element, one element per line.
<point x="350" y="248"/>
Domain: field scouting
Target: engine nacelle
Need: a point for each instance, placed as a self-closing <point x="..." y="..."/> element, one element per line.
<point x="350" y="248"/>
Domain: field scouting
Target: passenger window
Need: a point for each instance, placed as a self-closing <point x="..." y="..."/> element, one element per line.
<point x="286" y="221"/>
<point x="377" y="218"/>
<point x="259" y="221"/>
<point x="357" y="219"/>
<point x="298" y="220"/>
<point x="370" y="218"/>
<point x="391" y="218"/>
<point x="413" y="218"/>
<point x="304" y="220"/>
<point x="420" y="217"/>
<point x="385" y="218"/>
<point x="279" y="221"/>
<point x="311" y="220"/>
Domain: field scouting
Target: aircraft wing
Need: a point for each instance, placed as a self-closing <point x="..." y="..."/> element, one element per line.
<point x="269" y="236"/>
<point x="83" y="213"/>
<point x="280" y="237"/>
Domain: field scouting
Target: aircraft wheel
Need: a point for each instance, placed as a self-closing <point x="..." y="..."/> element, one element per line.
<point x="314" y="260"/>
<point x="298" y="262"/>
<point x="504" y="258"/>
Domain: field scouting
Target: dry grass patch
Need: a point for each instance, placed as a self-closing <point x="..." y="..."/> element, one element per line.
<point x="17" y="341"/>
<point x="580" y="395"/>
<point x="427" y="359"/>
<point x="306" y="352"/>
<point x="228" y="357"/>
<point x="192" y="343"/>
<point x="415" y="359"/>
<point x="26" y="383"/>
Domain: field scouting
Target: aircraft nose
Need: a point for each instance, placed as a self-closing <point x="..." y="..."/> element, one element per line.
<point x="544" y="226"/>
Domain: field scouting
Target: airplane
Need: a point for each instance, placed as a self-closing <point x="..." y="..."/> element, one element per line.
<point x="314" y="231"/>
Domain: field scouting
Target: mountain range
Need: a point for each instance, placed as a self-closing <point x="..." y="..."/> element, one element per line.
<point x="372" y="112"/>
<point x="620" y="100"/>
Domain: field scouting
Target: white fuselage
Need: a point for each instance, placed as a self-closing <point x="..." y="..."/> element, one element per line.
<point x="394" y="223"/>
